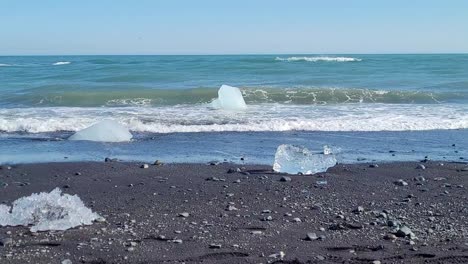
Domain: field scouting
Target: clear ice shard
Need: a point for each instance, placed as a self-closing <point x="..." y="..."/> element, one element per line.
<point x="229" y="98"/>
<point x="47" y="211"/>
<point x="104" y="131"/>
<point x="294" y="159"/>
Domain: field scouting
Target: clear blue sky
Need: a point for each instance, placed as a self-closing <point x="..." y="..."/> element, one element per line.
<point x="232" y="26"/>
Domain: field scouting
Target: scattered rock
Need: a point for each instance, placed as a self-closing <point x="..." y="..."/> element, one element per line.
<point x="144" y="166"/>
<point x="158" y="163"/>
<point x="404" y="231"/>
<point x="66" y="261"/>
<point x="390" y="237"/>
<point x="401" y="182"/>
<point x="297" y="220"/>
<point x="184" y="214"/>
<point x="358" y="210"/>
<point x="419" y="179"/>
<point x="421" y="167"/>
<point x="5" y="242"/>
<point x="279" y="255"/>
<point x="215" y="246"/>
<point x="311" y="237"/>
<point x="285" y="179"/>
<point x="234" y="170"/>
<point x="231" y="208"/>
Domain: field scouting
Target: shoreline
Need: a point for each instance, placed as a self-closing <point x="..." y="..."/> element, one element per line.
<point x="352" y="213"/>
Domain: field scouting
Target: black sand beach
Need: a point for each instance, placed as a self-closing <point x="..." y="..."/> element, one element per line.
<point x="192" y="213"/>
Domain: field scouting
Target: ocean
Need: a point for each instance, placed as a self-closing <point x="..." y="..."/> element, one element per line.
<point x="368" y="107"/>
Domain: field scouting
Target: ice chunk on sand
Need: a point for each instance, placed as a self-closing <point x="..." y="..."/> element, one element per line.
<point x="105" y="131"/>
<point x="47" y="211"/>
<point x="297" y="159"/>
<point x="229" y="98"/>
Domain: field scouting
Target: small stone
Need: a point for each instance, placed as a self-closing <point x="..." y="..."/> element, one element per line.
<point x="66" y="261"/>
<point x="390" y="237"/>
<point x="5" y="242"/>
<point x="421" y="167"/>
<point x="234" y="170"/>
<point x="77" y="173"/>
<point x="404" y="231"/>
<point x="267" y="218"/>
<point x="285" y="179"/>
<point x="376" y="262"/>
<point x="144" y="166"/>
<point x="177" y="241"/>
<point x="420" y="179"/>
<point x="231" y="208"/>
<point x="401" y="182"/>
<point x="359" y="210"/>
<point x="373" y="166"/>
<point x="184" y="214"/>
<point x="297" y="220"/>
<point x="311" y="237"/>
<point x="215" y="179"/>
<point x="158" y="163"/>
<point x="279" y="255"/>
<point x="215" y="246"/>
<point x="130" y="249"/>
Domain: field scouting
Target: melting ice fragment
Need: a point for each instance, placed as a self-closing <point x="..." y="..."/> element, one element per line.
<point x="297" y="159"/>
<point x="104" y="131"/>
<point x="229" y="98"/>
<point x="47" y="211"/>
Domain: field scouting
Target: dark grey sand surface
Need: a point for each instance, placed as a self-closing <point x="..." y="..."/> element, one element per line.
<point x="352" y="213"/>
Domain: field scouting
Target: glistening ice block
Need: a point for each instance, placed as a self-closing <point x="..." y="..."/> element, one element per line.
<point x="104" y="131"/>
<point x="297" y="159"/>
<point x="229" y="98"/>
<point x="47" y="211"/>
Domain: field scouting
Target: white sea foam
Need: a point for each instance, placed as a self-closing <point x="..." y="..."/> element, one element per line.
<point x="319" y="58"/>
<point x="264" y="117"/>
<point x="4" y="65"/>
<point x="62" y="63"/>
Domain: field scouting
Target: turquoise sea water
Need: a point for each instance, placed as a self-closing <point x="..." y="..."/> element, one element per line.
<point x="47" y="98"/>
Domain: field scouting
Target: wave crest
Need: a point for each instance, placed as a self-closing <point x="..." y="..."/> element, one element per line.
<point x="62" y="63"/>
<point x="319" y="58"/>
<point x="267" y="117"/>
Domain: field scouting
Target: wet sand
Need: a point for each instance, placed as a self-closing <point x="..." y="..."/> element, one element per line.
<point x="192" y="213"/>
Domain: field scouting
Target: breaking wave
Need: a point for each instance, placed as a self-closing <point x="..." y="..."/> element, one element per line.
<point x="62" y="63"/>
<point x="70" y="96"/>
<point x="320" y="58"/>
<point x="4" y="65"/>
<point x="266" y="117"/>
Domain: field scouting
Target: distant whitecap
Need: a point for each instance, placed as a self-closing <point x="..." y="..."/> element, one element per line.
<point x="320" y="58"/>
<point x="62" y="63"/>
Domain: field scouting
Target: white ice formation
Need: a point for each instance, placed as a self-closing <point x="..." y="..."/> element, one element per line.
<point x="229" y="98"/>
<point x="47" y="211"/>
<point x="104" y="131"/>
<point x="293" y="159"/>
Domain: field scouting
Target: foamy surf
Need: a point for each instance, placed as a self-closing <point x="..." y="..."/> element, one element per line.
<point x="4" y="65"/>
<point x="319" y="58"/>
<point x="62" y="63"/>
<point x="265" y="117"/>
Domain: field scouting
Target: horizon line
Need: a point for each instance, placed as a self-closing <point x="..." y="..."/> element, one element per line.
<point x="237" y="54"/>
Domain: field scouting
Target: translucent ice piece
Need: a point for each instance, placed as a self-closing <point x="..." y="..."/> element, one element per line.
<point x="47" y="211"/>
<point x="297" y="159"/>
<point x="104" y="131"/>
<point x="229" y="98"/>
